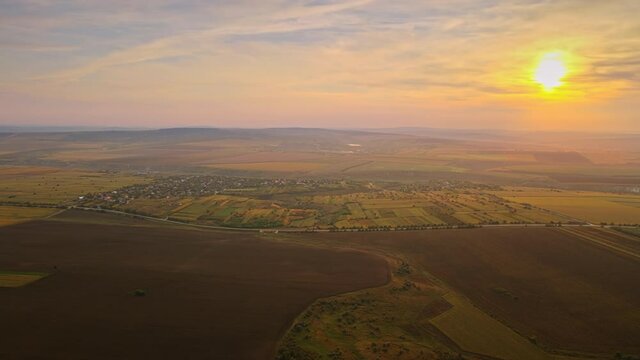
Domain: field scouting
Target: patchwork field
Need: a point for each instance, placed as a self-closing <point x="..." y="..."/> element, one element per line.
<point x="400" y="209"/>
<point x="206" y="294"/>
<point x="238" y="211"/>
<point x="315" y="204"/>
<point x="377" y="209"/>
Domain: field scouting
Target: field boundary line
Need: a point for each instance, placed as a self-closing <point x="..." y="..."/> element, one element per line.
<point x="356" y="166"/>
<point x="604" y="243"/>
<point x="611" y="230"/>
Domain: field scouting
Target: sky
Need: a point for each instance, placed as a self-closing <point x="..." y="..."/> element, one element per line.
<point x="320" y="63"/>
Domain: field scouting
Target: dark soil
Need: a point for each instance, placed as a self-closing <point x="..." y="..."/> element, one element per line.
<point x="207" y="295"/>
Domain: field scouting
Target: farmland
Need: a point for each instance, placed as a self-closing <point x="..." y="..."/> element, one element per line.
<point x="336" y="245"/>
<point x="462" y="322"/>
<point x="231" y="298"/>
<point x="271" y="166"/>
<point x="331" y="179"/>
<point x="15" y="214"/>
<point x="566" y="304"/>
<point x="18" y="279"/>
<point x="543" y="160"/>
<point x="631" y="231"/>
<point x="451" y="291"/>
<point x="320" y="180"/>
<point x="311" y="203"/>
<point x="241" y="202"/>
<point x="52" y="186"/>
<point x="540" y="293"/>
<point x="423" y="208"/>
<point x="589" y="206"/>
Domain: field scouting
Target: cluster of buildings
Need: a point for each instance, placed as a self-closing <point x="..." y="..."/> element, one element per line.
<point x="193" y="186"/>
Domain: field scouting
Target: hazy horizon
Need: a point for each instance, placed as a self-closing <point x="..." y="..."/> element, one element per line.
<point x="79" y="128"/>
<point x="525" y="64"/>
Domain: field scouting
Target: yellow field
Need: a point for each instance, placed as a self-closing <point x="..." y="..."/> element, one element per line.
<point x="589" y="206"/>
<point x="89" y="155"/>
<point x="11" y="279"/>
<point x="273" y="166"/>
<point x="51" y="186"/>
<point x="477" y="332"/>
<point x="399" y="164"/>
<point x="15" y="214"/>
<point x="25" y="170"/>
<point x="450" y="154"/>
<point x="155" y="207"/>
<point x="568" y="169"/>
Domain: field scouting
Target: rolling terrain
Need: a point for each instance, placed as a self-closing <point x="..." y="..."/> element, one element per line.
<point x="319" y="244"/>
<point x="587" y="161"/>
<point x="507" y="293"/>
<point x="206" y="293"/>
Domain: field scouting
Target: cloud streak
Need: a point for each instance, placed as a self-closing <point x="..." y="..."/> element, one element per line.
<point x="412" y="57"/>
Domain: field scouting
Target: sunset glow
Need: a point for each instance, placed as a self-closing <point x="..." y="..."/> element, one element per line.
<point x="353" y="63"/>
<point x="550" y="71"/>
<point x="320" y="179"/>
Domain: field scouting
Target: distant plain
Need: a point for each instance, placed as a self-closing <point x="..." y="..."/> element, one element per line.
<point x="320" y="244"/>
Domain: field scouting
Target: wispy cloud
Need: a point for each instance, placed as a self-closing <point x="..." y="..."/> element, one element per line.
<point x="412" y="54"/>
<point x="287" y="19"/>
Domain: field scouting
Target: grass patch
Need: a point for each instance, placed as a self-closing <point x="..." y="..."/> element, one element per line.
<point x="477" y="332"/>
<point x="13" y="279"/>
<point x="35" y="185"/>
<point x="631" y="231"/>
<point x="16" y="214"/>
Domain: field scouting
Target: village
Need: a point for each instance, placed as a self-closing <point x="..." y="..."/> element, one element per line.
<point x="194" y="186"/>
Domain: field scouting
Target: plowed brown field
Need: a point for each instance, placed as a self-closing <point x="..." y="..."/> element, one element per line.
<point x="566" y="291"/>
<point x="208" y="294"/>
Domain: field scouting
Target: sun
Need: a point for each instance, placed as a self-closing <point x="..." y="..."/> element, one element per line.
<point x="550" y="71"/>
